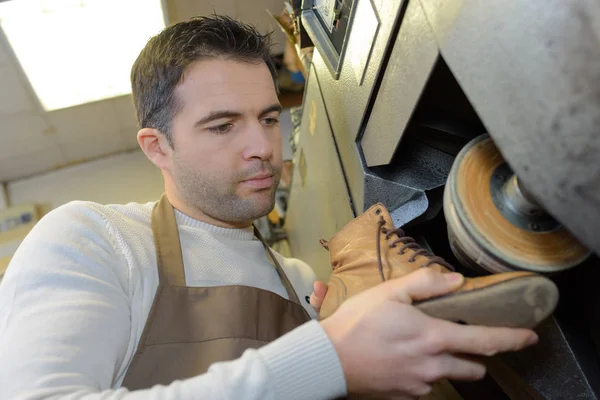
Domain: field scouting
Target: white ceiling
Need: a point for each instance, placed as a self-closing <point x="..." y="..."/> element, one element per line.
<point x="33" y="141"/>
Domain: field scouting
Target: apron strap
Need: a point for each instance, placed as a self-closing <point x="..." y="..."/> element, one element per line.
<point x="168" y="249"/>
<point x="166" y="243"/>
<point x="293" y="296"/>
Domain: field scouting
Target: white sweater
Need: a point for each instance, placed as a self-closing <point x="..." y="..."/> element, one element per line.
<point x="75" y="299"/>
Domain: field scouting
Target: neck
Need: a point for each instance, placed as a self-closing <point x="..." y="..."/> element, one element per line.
<point x="182" y="206"/>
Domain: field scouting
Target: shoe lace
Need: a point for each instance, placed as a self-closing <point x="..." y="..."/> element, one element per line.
<point x="407" y="243"/>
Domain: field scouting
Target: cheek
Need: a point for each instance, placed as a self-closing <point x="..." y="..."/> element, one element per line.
<point x="215" y="165"/>
<point x="210" y="155"/>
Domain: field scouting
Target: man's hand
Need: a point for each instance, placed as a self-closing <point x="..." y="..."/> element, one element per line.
<point x="317" y="297"/>
<point x="387" y="346"/>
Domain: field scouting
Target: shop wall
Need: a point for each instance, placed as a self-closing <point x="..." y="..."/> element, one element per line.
<point x="123" y="178"/>
<point x="3" y="199"/>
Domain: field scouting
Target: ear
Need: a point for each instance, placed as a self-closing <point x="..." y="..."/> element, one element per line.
<point x="156" y="147"/>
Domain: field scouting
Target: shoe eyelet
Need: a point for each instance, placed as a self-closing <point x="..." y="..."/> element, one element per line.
<point x="378" y="211"/>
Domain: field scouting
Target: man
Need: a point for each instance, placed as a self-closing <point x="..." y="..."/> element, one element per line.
<point x="178" y="299"/>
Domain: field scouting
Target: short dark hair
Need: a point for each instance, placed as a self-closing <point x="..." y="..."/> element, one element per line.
<point x="161" y="64"/>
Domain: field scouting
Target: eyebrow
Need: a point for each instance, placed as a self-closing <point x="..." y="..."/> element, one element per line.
<point x="215" y="115"/>
<point x="270" y="109"/>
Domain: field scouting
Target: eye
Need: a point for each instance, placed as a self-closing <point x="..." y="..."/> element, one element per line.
<point x="270" y="121"/>
<point x="221" y="129"/>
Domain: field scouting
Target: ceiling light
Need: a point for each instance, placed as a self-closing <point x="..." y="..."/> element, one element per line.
<point x="78" y="51"/>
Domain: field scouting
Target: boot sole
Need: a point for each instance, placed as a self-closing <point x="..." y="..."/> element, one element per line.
<point x="518" y="303"/>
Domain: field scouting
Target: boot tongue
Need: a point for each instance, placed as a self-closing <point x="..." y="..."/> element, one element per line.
<point x="361" y="231"/>
<point x="421" y="259"/>
<point x="383" y="213"/>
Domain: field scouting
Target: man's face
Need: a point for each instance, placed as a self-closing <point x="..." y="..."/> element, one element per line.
<point x="227" y="141"/>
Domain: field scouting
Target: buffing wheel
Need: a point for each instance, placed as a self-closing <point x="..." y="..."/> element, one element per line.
<point x="491" y="227"/>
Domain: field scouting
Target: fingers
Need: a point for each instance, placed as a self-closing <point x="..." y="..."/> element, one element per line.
<point x="447" y="366"/>
<point x="480" y="340"/>
<point x="464" y="369"/>
<point x="423" y="284"/>
<point x="317" y="297"/>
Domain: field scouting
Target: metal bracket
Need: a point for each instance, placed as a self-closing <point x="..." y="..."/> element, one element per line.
<point x="315" y="30"/>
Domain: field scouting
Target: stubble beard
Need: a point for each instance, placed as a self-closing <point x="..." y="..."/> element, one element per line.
<point x="219" y="200"/>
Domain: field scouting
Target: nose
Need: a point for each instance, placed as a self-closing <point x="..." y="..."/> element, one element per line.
<point x="258" y="143"/>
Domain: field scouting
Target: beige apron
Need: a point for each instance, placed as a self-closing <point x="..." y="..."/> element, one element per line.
<point x="190" y="328"/>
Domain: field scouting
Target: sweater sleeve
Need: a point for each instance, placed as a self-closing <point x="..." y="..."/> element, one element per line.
<point x="65" y="327"/>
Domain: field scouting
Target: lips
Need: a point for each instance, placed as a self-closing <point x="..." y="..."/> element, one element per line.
<point x="261" y="181"/>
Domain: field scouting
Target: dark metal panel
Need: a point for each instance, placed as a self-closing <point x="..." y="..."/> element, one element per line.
<point x="347" y="98"/>
<point x="319" y="204"/>
<point x="531" y="69"/>
<point x="411" y="62"/>
<point x="407" y="187"/>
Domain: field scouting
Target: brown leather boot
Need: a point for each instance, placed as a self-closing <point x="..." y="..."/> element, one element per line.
<point x="369" y="250"/>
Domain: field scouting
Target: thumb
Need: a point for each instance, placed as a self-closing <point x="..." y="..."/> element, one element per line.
<point x="318" y="295"/>
<point x="320" y="289"/>
<point x="424" y="284"/>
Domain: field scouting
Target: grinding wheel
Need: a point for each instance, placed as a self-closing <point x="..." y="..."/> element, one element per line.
<point x="494" y="224"/>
